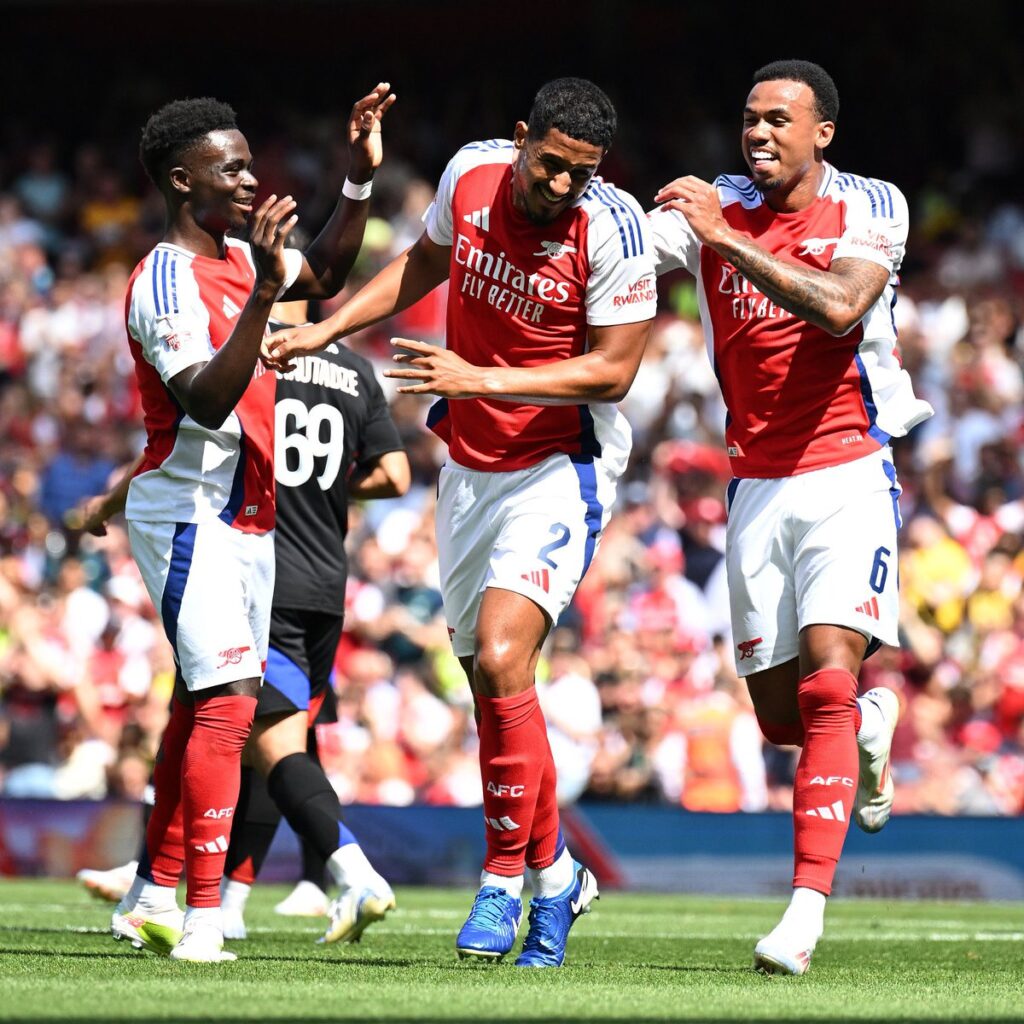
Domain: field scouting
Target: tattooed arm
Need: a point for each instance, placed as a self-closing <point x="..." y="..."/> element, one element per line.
<point x="835" y="299"/>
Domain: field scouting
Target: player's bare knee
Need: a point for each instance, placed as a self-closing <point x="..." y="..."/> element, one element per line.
<point x="275" y="737"/>
<point x="502" y="668"/>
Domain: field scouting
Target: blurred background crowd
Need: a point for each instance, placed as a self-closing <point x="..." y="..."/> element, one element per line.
<point x="638" y="679"/>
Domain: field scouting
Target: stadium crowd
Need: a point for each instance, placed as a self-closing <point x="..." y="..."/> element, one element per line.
<point x="638" y="681"/>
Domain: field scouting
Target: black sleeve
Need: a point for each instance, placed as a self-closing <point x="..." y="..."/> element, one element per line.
<point x="380" y="435"/>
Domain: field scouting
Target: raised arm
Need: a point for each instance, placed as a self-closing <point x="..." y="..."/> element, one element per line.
<point x="405" y="280"/>
<point x="209" y="391"/>
<point x="603" y="373"/>
<point x="835" y="299"/>
<point x="332" y="253"/>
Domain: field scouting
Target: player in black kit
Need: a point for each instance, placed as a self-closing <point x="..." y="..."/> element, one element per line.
<point x="334" y="439"/>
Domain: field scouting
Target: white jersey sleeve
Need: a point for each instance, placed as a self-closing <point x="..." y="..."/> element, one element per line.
<point x="166" y="315"/>
<point x="438" y="216"/>
<point x="675" y="244"/>
<point x="876" y="222"/>
<point x="621" y="287"/>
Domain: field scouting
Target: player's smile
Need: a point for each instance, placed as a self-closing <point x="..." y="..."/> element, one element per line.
<point x="222" y="185"/>
<point x="551" y="173"/>
<point x="781" y="132"/>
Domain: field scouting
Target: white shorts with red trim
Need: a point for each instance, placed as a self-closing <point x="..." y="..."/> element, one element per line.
<point x="817" y="548"/>
<point x="213" y="586"/>
<point x="532" y="531"/>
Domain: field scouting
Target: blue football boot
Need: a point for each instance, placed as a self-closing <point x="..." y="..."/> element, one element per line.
<point x="490" y="930"/>
<point x="551" y="918"/>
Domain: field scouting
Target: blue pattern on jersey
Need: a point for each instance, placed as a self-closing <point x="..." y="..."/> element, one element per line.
<point x="878" y="192"/>
<point x="874" y="432"/>
<point x="237" y="496"/>
<point x="587" y="475"/>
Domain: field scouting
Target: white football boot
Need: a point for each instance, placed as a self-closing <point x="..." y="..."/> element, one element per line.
<point x="158" y="931"/>
<point x="875" y="789"/>
<point x="305" y="900"/>
<point x="356" y="908"/>
<point x="789" y="946"/>
<point x="109" y="885"/>
<point x="202" y="942"/>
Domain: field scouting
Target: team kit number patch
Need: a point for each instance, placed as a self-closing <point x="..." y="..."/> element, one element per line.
<point x="301" y="437"/>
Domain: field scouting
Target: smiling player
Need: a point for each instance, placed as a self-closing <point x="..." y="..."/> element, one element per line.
<point x="551" y="293"/>
<point x="200" y="505"/>
<point x="796" y="268"/>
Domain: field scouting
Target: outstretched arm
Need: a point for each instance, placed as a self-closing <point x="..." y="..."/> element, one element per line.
<point x="331" y="255"/>
<point x="604" y="373"/>
<point x="405" y="280"/>
<point x="835" y="299"/>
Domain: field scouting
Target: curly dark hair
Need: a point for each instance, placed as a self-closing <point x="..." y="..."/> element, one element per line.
<point x="826" y="95"/>
<point x="577" y="108"/>
<point x="178" y="125"/>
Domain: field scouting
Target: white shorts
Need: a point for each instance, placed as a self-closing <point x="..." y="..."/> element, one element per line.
<point x="213" y="586"/>
<point x="813" y="549"/>
<point x="532" y="531"/>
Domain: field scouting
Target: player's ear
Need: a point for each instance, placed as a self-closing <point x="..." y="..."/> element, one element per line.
<point x="180" y="180"/>
<point x="519" y="136"/>
<point x="826" y="129"/>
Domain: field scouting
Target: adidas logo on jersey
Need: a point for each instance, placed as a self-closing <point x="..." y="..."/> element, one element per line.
<point x="479" y="218"/>
<point x="868" y="608"/>
<point x="230" y="309"/>
<point x="555" y="250"/>
<point x="834" y="812"/>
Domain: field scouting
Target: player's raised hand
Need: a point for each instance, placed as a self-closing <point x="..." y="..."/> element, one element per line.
<point x="439" y="371"/>
<point x="698" y="202"/>
<point x="364" y="135"/>
<point x="271" y="225"/>
<point x="280" y="348"/>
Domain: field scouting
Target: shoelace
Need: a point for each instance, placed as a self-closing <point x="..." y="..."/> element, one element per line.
<point x="489" y="906"/>
<point x="544" y="920"/>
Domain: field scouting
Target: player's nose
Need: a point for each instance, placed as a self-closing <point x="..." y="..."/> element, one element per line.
<point x="561" y="184"/>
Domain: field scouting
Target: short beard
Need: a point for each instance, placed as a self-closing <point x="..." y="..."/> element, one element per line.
<point x="768" y="186"/>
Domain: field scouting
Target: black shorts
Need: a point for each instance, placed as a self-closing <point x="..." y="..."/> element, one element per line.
<point x="299" y="662"/>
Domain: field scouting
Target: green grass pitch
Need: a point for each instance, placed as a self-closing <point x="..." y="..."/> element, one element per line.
<point x="635" y="958"/>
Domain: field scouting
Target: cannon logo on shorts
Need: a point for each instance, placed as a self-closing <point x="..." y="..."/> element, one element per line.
<point x="746" y="647"/>
<point x="232" y="656"/>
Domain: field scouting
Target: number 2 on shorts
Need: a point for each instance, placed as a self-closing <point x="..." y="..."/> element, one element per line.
<point x="561" y="532"/>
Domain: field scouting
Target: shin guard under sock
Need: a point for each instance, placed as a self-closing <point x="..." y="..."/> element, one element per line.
<point x="209" y="790"/>
<point x="163" y="851"/>
<point x="513" y="751"/>
<point x="826" y="776"/>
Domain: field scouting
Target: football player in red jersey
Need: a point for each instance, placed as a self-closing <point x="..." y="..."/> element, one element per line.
<point x="796" y="266"/>
<point x="200" y="503"/>
<point x="551" y="295"/>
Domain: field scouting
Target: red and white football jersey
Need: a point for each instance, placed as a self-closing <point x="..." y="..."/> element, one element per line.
<point x="523" y="294"/>
<point x="800" y="399"/>
<point x="180" y="308"/>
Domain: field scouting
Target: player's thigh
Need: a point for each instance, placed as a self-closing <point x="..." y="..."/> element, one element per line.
<point x="200" y="578"/>
<point x="759" y="567"/>
<point x="846" y="555"/>
<point x="276" y="736"/>
<point x="550" y="526"/>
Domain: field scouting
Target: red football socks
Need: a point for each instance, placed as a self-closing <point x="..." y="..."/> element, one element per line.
<point x="544" y="845"/>
<point x="210" y="774"/>
<point x="826" y="775"/>
<point x="513" y="759"/>
<point x="164" y="848"/>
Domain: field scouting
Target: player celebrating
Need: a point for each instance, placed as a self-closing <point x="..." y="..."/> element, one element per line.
<point x="796" y="268"/>
<point x="200" y="506"/>
<point x="331" y="416"/>
<point x="551" y="293"/>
